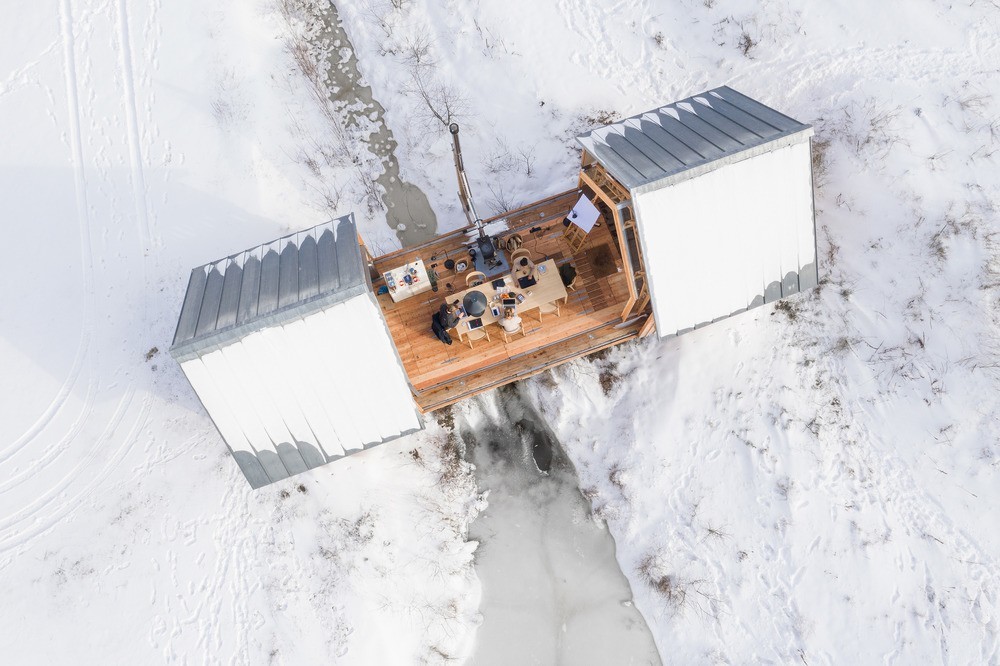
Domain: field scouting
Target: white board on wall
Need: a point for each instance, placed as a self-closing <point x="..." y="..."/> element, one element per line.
<point x="729" y="239"/>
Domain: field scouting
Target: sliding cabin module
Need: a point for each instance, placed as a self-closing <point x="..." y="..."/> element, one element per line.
<point x="306" y="349"/>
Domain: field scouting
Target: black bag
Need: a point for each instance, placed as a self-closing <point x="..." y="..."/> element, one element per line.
<point x="440" y="332"/>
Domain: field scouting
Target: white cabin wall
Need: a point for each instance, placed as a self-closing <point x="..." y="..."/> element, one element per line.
<point x="281" y="378"/>
<point x="244" y="411"/>
<point x="309" y="386"/>
<point x="390" y="389"/>
<point x="324" y="375"/>
<point x="248" y="366"/>
<point x="225" y="420"/>
<point x="362" y="361"/>
<point x="297" y="395"/>
<point x="805" y="234"/>
<point x="717" y="243"/>
<point x="334" y="337"/>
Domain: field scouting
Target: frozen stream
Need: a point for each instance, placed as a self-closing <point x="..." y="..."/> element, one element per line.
<point x="552" y="589"/>
<point x="408" y="211"/>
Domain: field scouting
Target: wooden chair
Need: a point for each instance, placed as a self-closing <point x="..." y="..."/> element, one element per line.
<point x="571" y="287"/>
<point x="548" y="308"/>
<point x="475" y="333"/>
<point x="507" y="334"/>
<point x="517" y="254"/>
<point x="475" y="278"/>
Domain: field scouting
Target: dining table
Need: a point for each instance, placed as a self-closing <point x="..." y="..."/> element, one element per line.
<point x="548" y="288"/>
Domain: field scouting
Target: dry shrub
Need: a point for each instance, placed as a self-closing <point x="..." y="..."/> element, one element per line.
<point x="820" y="161"/>
<point x="788" y="308"/>
<point x="667" y="585"/>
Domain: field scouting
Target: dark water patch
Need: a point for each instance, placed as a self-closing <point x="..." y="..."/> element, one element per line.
<point x="408" y="212"/>
<point x="552" y="589"/>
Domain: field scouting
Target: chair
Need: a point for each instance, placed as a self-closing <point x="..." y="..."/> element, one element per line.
<point x="475" y="278"/>
<point x="548" y="308"/>
<point x="568" y="272"/>
<point x="474" y="333"/>
<point x="507" y="334"/>
<point x="517" y="254"/>
<point x="570" y="287"/>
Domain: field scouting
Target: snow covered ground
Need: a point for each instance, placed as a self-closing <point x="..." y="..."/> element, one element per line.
<point x="815" y="483"/>
<point x="142" y="139"/>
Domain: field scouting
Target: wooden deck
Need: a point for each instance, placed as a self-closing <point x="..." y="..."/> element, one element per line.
<point x="590" y="320"/>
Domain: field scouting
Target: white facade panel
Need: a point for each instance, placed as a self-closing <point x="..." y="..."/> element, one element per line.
<point x="326" y="378"/>
<point x="724" y="241"/>
<point x="805" y="234"/>
<point x="299" y="394"/>
<point x="335" y="338"/>
<point x="215" y="402"/>
<point x="389" y="392"/>
<point x="376" y="402"/>
<point x="244" y="411"/>
<point x="249" y="369"/>
<point x="279" y="375"/>
<point x="290" y="338"/>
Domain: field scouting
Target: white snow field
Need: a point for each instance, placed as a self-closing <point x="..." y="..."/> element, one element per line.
<point x="810" y="484"/>
<point x="140" y="140"/>
<point x="814" y="483"/>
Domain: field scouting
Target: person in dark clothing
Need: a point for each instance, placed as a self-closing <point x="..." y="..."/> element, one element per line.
<point x="449" y="314"/>
<point x="440" y="332"/>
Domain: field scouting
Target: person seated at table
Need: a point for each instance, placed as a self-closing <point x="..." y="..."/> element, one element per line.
<point x="449" y="314"/>
<point x="510" y="321"/>
<point x="523" y="268"/>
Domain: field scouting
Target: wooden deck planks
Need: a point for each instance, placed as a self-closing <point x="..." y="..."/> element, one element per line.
<point x="525" y="366"/>
<point x="439" y="372"/>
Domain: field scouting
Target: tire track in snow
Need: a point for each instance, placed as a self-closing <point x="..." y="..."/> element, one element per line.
<point x="83" y="219"/>
<point x="57" y="512"/>
<point x="139" y="190"/>
<point x="57" y="500"/>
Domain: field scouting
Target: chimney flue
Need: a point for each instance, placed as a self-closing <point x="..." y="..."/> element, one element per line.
<point x="464" y="193"/>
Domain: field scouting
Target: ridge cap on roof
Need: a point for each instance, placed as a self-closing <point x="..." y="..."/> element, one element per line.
<point x="734" y="128"/>
<point x="351" y="277"/>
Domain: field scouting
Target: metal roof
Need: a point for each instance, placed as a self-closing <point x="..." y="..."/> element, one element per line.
<point x="707" y="130"/>
<point x="288" y="278"/>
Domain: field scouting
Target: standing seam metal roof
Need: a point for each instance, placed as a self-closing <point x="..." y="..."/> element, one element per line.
<point x="290" y="277"/>
<point x="704" y="128"/>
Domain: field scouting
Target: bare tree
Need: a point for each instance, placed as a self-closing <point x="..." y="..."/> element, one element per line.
<point x="443" y="103"/>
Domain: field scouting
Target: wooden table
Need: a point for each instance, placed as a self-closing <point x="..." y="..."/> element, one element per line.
<point x="548" y="288"/>
<point x="402" y="291"/>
